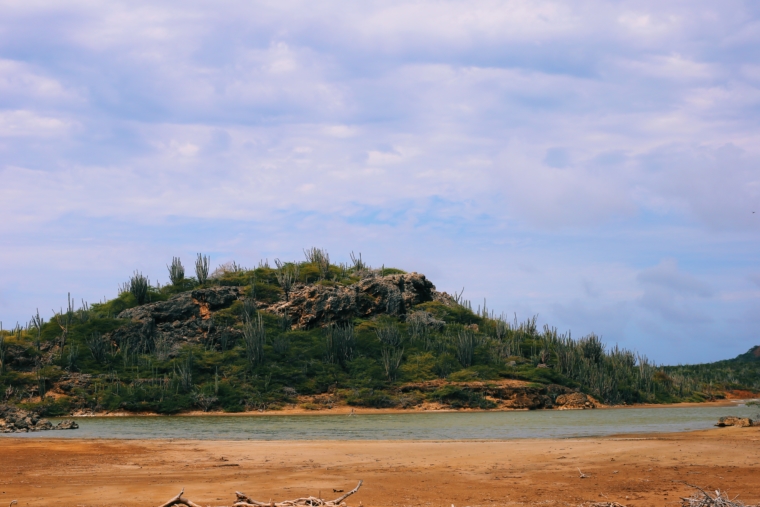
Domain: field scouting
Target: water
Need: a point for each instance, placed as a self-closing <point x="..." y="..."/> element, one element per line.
<point x="409" y="426"/>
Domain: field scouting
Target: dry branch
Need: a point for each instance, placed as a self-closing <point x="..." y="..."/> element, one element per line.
<point x="310" y="501"/>
<point x="245" y="501"/>
<point x="178" y="500"/>
<point x="721" y="499"/>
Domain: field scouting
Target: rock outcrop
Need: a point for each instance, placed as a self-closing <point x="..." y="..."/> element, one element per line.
<point x="15" y="420"/>
<point x="195" y="304"/>
<point x="313" y="305"/>
<point x="742" y="422"/>
<point x="189" y="316"/>
<point x="70" y="382"/>
<point x="574" y="401"/>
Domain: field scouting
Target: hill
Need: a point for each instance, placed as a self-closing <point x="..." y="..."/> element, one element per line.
<point x="313" y="334"/>
<point x="737" y="374"/>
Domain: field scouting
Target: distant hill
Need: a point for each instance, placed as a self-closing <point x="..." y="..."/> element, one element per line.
<point x="314" y="335"/>
<point x="739" y="373"/>
<point x="752" y="355"/>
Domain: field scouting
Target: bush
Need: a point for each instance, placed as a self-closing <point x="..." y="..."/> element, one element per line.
<point x="139" y="286"/>
<point x="49" y="407"/>
<point x="451" y="314"/>
<point x="458" y="397"/>
<point x="371" y="398"/>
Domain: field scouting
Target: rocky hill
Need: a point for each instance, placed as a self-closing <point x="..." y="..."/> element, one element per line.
<point x="313" y="335"/>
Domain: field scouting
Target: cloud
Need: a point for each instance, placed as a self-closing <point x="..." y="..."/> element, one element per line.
<point x="531" y="145"/>
<point x="27" y="123"/>
<point x="670" y="293"/>
<point x="667" y="276"/>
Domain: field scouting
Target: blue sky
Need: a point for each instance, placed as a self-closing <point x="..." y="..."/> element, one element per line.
<point x="595" y="163"/>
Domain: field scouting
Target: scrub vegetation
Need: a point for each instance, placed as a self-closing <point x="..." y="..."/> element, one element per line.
<point x="250" y="359"/>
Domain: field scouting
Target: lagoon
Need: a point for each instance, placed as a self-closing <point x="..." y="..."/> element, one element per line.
<point x="404" y="426"/>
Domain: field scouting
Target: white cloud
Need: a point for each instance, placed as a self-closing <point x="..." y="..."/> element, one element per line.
<point x="21" y="81"/>
<point x="560" y="137"/>
<point x="28" y="123"/>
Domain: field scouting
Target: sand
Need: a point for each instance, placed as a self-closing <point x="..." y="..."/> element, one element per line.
<point x="634" y="470"/>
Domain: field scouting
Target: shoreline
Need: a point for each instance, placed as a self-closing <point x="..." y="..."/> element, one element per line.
<point x="425" y="409"/>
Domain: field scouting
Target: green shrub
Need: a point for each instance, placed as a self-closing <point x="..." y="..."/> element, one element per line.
<point x="371" y="398"/>
<point x="266" y="292"/>
<point x="451" y="314"/>
<point x="49" y="407"/>
<point x="114" y="307"/>
<point x="458" y="397"/>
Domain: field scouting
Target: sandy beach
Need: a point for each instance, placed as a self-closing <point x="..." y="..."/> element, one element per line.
<point x="634" y="470"/>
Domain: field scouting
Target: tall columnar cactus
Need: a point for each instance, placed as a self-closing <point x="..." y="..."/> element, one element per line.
<point x="176" y="271"/>
<point x="138" y="286"/>
<point x="287" y="275"/>
<point x="201" y="268"/>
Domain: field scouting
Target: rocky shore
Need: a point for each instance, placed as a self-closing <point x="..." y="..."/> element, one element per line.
<point x="16" y="420"/>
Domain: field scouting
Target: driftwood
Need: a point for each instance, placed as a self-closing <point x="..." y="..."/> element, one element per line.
<point x="178" y="500"/>
<point x="245" y="501"/>
<point x="721" y="499"/>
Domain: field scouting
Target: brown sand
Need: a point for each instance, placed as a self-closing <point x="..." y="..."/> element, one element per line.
<point x="634" y="470"/>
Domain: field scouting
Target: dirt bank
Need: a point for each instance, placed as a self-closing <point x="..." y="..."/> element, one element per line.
<point x="637" y="471"/>
<point x="426" y="407"/>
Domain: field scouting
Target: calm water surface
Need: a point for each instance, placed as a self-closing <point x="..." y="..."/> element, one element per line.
<point x="412" y="426"/>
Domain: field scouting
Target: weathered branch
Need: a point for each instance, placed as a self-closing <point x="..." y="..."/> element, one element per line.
<point x="338" y="500"/>
<point x="178" y="500"/>
<point x="245" y="501"/>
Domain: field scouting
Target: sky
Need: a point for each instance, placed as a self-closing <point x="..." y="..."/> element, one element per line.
<point x="595" y="163"/>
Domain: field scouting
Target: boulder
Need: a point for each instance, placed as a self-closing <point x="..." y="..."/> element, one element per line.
<point x="66" y="425"/>
<point x="528" y="400"/>
<point x="742" y="422"/>
<point x="574" y="401"/>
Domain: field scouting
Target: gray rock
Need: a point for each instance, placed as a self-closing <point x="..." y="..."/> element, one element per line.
<point x="42" y="425"/>
<point x="188" y="317"/>
<point x="185" y="306"/>
<point x="16" y="420"/>
<point x="575" y="401"/>
<point x="742" y="422"/>
<point x="314" y="305"/>
<point x="66" y="425"/>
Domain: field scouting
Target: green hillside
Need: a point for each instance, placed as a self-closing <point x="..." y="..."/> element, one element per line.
<point x="739" y="373"/>
<point x="315" y="334"/>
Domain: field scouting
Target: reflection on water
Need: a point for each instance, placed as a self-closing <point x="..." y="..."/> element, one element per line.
<point x="411" y="426"/>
